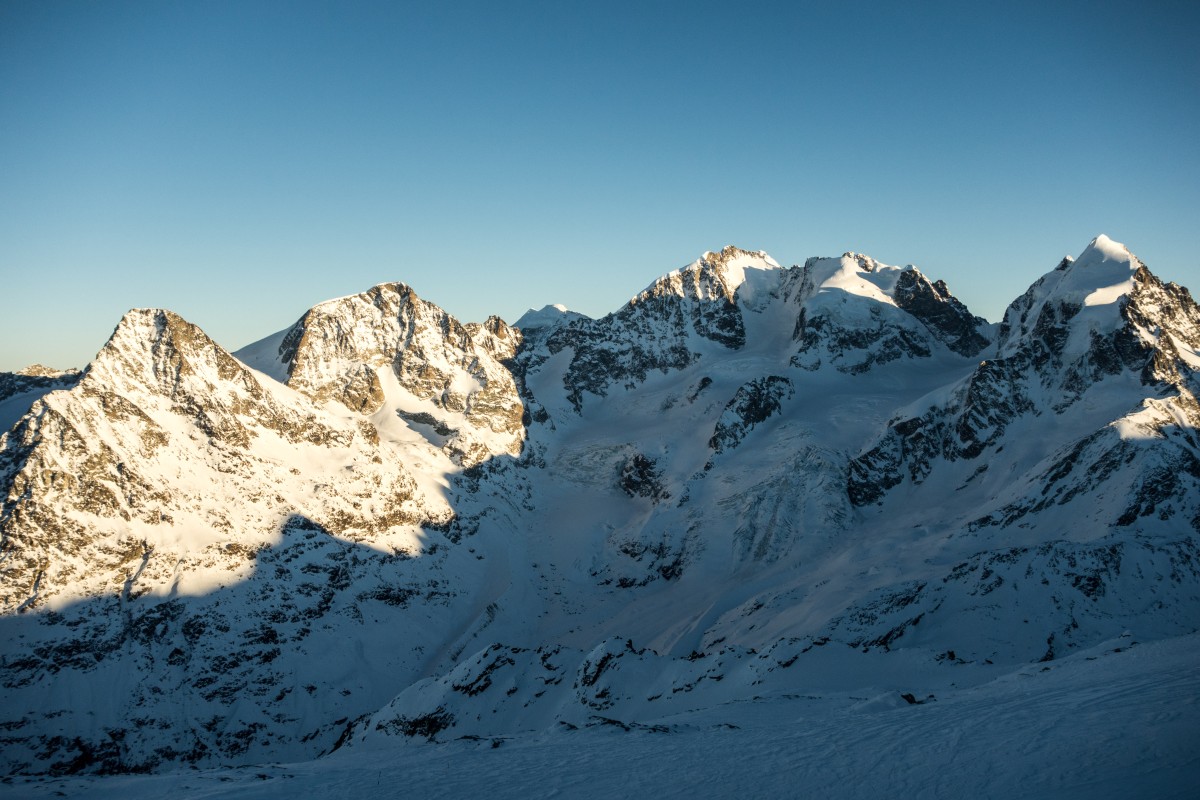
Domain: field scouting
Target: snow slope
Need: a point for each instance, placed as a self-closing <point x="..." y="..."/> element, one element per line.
<point x="1107" y="723"/>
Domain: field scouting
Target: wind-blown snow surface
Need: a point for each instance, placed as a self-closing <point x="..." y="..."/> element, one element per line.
<point x="1119" y="720"/>
<point x="384" y="532"/>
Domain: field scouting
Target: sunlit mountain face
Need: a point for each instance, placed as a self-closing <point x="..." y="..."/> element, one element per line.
<point x="750" y="494"/>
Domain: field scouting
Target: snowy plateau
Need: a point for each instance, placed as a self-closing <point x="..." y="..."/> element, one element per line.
<point x="763" y="531"/>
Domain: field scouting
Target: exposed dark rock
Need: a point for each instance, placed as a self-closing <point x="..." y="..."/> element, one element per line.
<point x="933" y="304"/>
<point x="639" y="477"/>
<point x="753" y="403"/>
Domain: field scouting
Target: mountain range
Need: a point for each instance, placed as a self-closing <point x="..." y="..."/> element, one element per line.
<point x="384" y="528"/>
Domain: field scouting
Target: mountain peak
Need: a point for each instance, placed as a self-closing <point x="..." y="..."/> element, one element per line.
<point x="140" y="327"/>
<point x="864" y="262"/>
<point x="157" y="348"/>
<point x="1074" y="316"/>
<point x="1102" y="249"/>
<point x="546" y="317"/>
<point x="1102" y="274"/>
<point x="42" y="371"/>
<point x="715" y="275"/>
<point x="729" y="266"/>
<point x="730" y="253"/>
<point x="390" y="289"/>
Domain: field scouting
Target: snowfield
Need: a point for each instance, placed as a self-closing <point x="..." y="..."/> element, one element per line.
<point x="1119" y="720"/>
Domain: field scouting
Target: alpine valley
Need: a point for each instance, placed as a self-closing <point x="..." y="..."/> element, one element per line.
<point x="752" y="505"/>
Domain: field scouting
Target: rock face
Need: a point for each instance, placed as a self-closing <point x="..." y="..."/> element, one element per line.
<point x="161" y="541"/>
<point x="382" y="526"/>
<point x="1103" y="331"/>
<point x="753" y="403"/>
<point x="167" y="436"/>
<point x="388" y="350"/>
<point x="660" y="329"/>
<point x="945" y="316"/>
<point x="856" y="312"/>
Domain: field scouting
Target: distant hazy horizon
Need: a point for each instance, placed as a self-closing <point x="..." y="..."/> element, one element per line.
<point x="238" y="162"/>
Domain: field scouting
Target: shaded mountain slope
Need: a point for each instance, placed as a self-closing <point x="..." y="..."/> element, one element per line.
<point x="366" y="526"/>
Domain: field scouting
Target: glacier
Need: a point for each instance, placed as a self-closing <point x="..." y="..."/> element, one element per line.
<point x="753" y="499"/>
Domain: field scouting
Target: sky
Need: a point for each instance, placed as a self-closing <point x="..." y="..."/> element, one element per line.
<point x="239" y="162"/>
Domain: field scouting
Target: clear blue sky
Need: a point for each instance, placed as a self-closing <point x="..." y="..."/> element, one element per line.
<point x="238" y="162"/>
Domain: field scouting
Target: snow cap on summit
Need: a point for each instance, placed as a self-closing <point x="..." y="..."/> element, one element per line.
<point x="1102" y="273"/>
<point x="1103" y="248"/>
<point x="142" y="324"/>
<point x="730" y="252"/>
<point x="398" y="288"/>
<point x="546" y="316"/>
<point x="1097" y="282"/>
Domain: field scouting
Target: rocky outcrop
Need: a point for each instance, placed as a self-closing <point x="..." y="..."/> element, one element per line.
<point x="941" y="312"/>
<point x="168" y="432"/>
<point x="752" y="404"/>
<point x="1025" y="604"/>
<point x="457" y="373"/>
<point x="662" y="329"/>
<point x="1103" y="319"/>
<point x="855" y="313"/>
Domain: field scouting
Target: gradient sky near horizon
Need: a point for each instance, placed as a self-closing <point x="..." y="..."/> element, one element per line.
<point x="238" y="162"/>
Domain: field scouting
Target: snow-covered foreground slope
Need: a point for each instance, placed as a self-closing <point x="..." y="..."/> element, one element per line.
<point x="381" y="527"/>
<point x="1118" y="720"/>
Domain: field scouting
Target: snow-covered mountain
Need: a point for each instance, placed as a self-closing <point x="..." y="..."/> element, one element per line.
<point x="382" y="527"/>
<point x="546" y="317"/>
